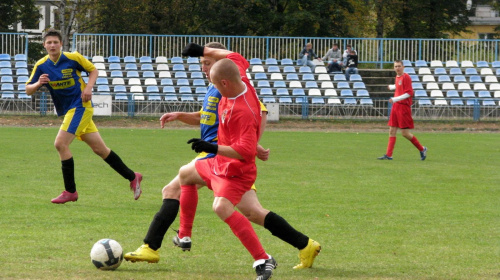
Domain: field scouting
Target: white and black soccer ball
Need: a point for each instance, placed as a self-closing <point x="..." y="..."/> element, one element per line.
<point x="106" y="254"/>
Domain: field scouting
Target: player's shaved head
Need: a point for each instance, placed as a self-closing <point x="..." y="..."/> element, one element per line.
<point x="225" y="69"/>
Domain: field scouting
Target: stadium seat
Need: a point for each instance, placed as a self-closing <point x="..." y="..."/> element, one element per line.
<point x="8" y="95"/>
<point x="21" y="64"/>
<point x="161" y="59"/>
<point x="327" y="84"/>
<point x="130" y="67"/>
<point x="147" y="67"/>
<point x="417" y="86"/>
<point x="300" y="100"/>
<point x="282" y="92"/>
<point x="117" y="81"/>
<point x="407" y="63"/>
<point x="116" y="74"/>
<point x="495" y="64"/>
<point x="178" y="67"/>
<point x="362" y="93"/>
<point x="320" y="70"/>
<point x="424" y="102"/>
<point x="497" y="94"/>
<point x="199" y="82"/>
<point x="129" y="59"/>
<point x="314" y="92"/>
<point x="273" y="69"/>
<point x="324" y="77"/>
<point x="451" y="64"/>
<point x="346" y="93"/>
<point x="260" y="76"/>
<point x="148" y="74"/>
<point x="165" y="74"/>
<point x="194" y="68"/>
<point x="482" y="64"/>
<point x="6" y="79"/>
<point x="103" y="88"/>
<point x="181" y="75"/>
<point x="366" y="102"/>
<point x="200" y="90"/>
<point x="420" y="63"/>
<point x="285" y="100"/>
<point x="467" y="64"/>
<point x="459" y="79"/>
<point x="266" y="91"/>
<point x="113" y="59"/>
<point x="494" y="87"/>
<point x="424" y="71"/>
<point x="339" y="77"/>
<point x="98" y="58"/>
<point x="334" y="101"/>
<point x="440" y="71"/>
<point x="356" y="78"/>
<point x="414" y="78"/>
<point x="359" y="85"/>
<point x="182" y="82"/>
<point x="271" y="61"/>
<point x="86" y="80"/>
<point x="177" y="60"/>
<point x="196" y="75"/>
<point x="134" y="81"/>
<point x="470" y="71"/>
<point x="455" y="71"/>
<point x="436" y="93"/>
<point x="268" y="99"/>
<point x="276" y="76"/>
<point x="24" y="71"/>
<point x="150" y="82"/>
<point x="263" y="83"/>
<point x="350" y="101"/>
<point x="410" y="71"/>
<point x="330" y="92"/>
<point x="168" y="89"/>
<point x="308" y="77"/>
<point x="475" y="79"/>
<point x="185" y="89"/>
<point x="119" y="88"/>
<point x="421" y="93"/>
<point x="468" y="94"/>
<point x="145" y="59"/>
<point x="255" y="61"/>
<point x="279" y="84"/>
<point x="289" y="69"/>
<point x="7" y="87"/>
<point x="22" y="79"/>
<point x="470" y="102"/>
<point x="100" y="66"/>
<point x="448" y="86"/>
<point x="171" y="98"/>
<point x="154" y="97"/>
<point x="166" y="82"/>
<point x="298" y="92"/>
<point x="440" y="102"/>
<point x="479" y="86"/>
<point x="311" y="84"/>
<point x="5" y="64"/>
<point x="4" y="56"/>
<point x="20" y="57"/>
<point x="484" y="94"/>
<point x="444" y="78"/>
<point x="452" y="94"/>
<point x="486" y="71"/>
<point x="428" y="78"/>
<point x="162" y="67"/>
<point x="286" y="61"/>
<point x="136" y="89"/>
<point x="305" y="69"/>
<point x="115" y="66"/>
<point x="463" y="86"/>
<point x="295" y="84"/>
<point x="257" y="68"/>
<point x="102" y="73"/>
<point x="489" y="102"/>
<point x="101" y="81"/>
<point x="292" y="76"/>
<point x="192" y="60"/>
<point x="23" y="95"/>
<point x="436" y="63"/>
<point x="342" y="85"/>
<point x="317" y="100"/>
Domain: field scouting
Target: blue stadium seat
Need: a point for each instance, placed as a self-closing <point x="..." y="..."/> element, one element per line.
<point x="4" y="56"/>
<point x="182" y="82"/>
<point x="273" y="69"/>
<point x="145" y="59"/>
<point x="260" y="76"/>
<point x="317" y="100"/>
<point x="21" y="87"/>
<point x="285" y="100"/>
<point x="171" y="98"/>
<point x="482" y="64"/>
<point x="346" y="93"/>
<point x="166" y="82"/>
<point x="489" y="102"/>
<point x="187" y="98"/>
<point x="196" y="75"/>
<point x="115" y="66"/>
<point x="154" y="97"/>
<point x="271" y="61"/>
<point x="475" y="79"/>
<point x="470" y="71"/>
<point x="420" y="63"/>
<point x="407" y="63"/>
<point x="415" y="78"/>
<point x="362" y="93"/>
<point x="279" y="84"/>
<point x="356" y="78"/>
<point x="342" y="85"/>
<point x="20" y="57"/>
<point x="339" y="77"/>
<point x="305" y="69"/>
<point x="298" y="92"/>
<point x="8" y="95"/>
<point x="255" y="61"/>
<point x="130" y="67"/>
<point x="199" y="82"/>
<point x="266" y="91"/>
<point x="5" y="72"/>
<point x="456" y="102"/>
<point x="21" y="64"/>
<point x="119" y="89"/>
<point x="444" y="78"/>
<point x="113" y="59"/>
<point x="22" y="79"/>
<point x="495" y="64"/>
<point x="147" y="67"/>
<point x="103" y="88"/>
<point x="129" y="59"/>
<point x="152" y="89"/>
<point x="282" y="91"/>
<point x="410" y="71"/>
<point x="292" y="76"/>
<point x="289" y="69"/>
<point x="121" y="97"/>
<point x="22" y="72"/>
<point x="6" y="79"/>
<point x="484" y="94"/>
<point x="194" y="68"/>
<point x="359" y="85"/>
<point x="116" y="74"/>
<point x="101" y="81"/>
<point x="421" y="93"/>
<point x="468" y="94"/>
<point x="366" y="101"/>
<point x="181" y="75"/>
<point x="455" y="71"/>
<point x="311" y="84"/>
<point x="452" y="94"/>
<point x="176" y="59"/>
<point x="424" y="102"/>
<point x="185" y="89"/>
<point x="350" y="101"/>
<point x="148" y="74"/>
<point x="300" y="100"/>
<point x="23" y="95"/>
<point x="470" y="102"/>
<point x="268" y="99"/>
<point x="286" y="61"/>
<point x="7" y="87"/>
<point x="440" y="71"/>
<point x="193" y="60"/>
<point x="417" y="86"/>
<point x="263" y="83"/>
<point x="168" y="89"/>
<point x="178" y="67"/>
<point x="459" y="79"/>
<point x="85" y="79"/>
<point x="201" y="90"/>
<point x="308" y="77"/>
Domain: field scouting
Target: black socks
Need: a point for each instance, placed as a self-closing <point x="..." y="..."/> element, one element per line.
<point x="117" y="164"/>
<point x="68" y="171"/>
<point x="280" y="228"/>
<point x="161" y="222"/>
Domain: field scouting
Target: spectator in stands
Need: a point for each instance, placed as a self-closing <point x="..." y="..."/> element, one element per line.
<point x="307" y="55"/>
<point x="351" y="65"/>
<point x="401" y="112"/>
<point x="347" y="52"/>
<point x="60" y="72"/>
<point x="334" y="59"/>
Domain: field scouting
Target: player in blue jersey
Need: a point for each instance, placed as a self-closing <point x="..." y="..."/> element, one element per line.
<point x="207" y="119"/>
<point x="60" y="73"/>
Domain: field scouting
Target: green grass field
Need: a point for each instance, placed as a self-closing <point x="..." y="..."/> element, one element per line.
<point x="400" y="219"/>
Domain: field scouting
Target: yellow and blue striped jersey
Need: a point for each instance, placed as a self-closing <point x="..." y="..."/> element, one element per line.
<point x="66" y="83"/>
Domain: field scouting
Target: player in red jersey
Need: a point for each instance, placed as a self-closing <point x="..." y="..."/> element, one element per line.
<point x="401" y="112"/>
<point x="232" y="172"/>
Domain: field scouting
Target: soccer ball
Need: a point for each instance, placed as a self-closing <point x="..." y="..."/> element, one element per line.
<point x="106" y="254"/>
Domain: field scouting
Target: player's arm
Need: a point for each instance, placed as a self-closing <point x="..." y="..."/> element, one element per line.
<point x="195" y="50"/>
<point x="87" y="91"/>
<point x="262" y="154"/>
<point x="40" y="78"/>
<point x="408" y="90"/>
<point x="187" y="118"/>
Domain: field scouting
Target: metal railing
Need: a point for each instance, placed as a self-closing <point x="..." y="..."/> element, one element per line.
<point x="14" y="43"/>
<point x="370" y="50"/>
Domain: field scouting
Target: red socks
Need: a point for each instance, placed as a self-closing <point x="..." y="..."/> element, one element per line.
<point x="188" y="202"/>
<point x="415" y="142"/>
<point x="390" y="146"/>
<point x="242" y="228"/>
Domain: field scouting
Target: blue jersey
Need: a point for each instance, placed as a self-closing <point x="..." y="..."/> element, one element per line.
<point x="66" y="83"/>
<point x="209" y="122"/>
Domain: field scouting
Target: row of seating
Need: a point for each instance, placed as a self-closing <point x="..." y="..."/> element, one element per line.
<point x="456" y="94"/>
<point x="17" y="57"/>
<point x="456" y="79"/>
<point x="452" y="71"/>
<point x="459" y="86"/>
<point x="451" y="64"/>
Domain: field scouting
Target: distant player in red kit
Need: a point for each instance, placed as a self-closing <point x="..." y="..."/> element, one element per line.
<point x="401" y="112"/>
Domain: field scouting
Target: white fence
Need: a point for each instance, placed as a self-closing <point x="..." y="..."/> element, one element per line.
<point x="13" y="43"/>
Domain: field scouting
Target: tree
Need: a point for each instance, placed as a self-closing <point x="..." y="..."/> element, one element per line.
<point x="15" y="11"/>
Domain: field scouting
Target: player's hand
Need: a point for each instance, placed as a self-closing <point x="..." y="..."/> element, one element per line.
<point x="168" y="117"/>
<point x="87" y="94"/>
<point x="199" y="146"/>
<point x="391" y="101"/>
<point x="44" y="79"/>
<point x="193" y="50"/>
<point x="262" y="153"/>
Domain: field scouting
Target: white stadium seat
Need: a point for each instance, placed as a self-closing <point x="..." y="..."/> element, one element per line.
<point x="436" y="63"/>
<point x="451" y="64"/>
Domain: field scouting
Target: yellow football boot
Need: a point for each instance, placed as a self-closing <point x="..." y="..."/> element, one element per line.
<point x="308" y="254"/>
<point x="143" y="254"/>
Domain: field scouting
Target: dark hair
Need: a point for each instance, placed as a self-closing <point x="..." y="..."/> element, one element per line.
<point x="399" y="61"/>
<point x="348" y="46"/>
<point x="215" y="45"/>
<point x="335" y="45"/>
<point x="52" y="32"/>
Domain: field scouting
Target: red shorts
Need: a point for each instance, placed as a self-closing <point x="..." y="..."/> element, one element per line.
<point x="230" y="188"/>
<point x="401" y="116"/>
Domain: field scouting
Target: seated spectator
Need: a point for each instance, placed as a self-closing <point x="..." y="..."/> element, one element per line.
<point x="347" y="52"/>
<point x="352" y="65"/>
<point x="307" y="55"/>
<point x="333" y="57"/>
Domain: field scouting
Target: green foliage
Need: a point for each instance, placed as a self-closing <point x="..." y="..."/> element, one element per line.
<point x="15" y="11"/>
<point x="400" y="219"/>
<point x="35" y="49"/>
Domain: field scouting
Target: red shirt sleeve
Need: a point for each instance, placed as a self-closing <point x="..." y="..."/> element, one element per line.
<point x="240" y="61"/>
<point x="244" y="137"/>
<point x="407" y="86"/>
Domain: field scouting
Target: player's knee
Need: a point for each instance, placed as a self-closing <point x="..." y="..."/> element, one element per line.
<point x="184" y="172"/>
<point x="60" y="146"/>
<point x="100" y="151"/>
<point x="171" y="191"/>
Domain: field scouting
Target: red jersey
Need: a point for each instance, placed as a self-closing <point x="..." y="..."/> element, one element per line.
<point x="403" y="85"/>
<point x="239" y="127"/>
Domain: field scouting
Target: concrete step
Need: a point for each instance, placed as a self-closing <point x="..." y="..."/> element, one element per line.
<point x="378" y="80"/>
